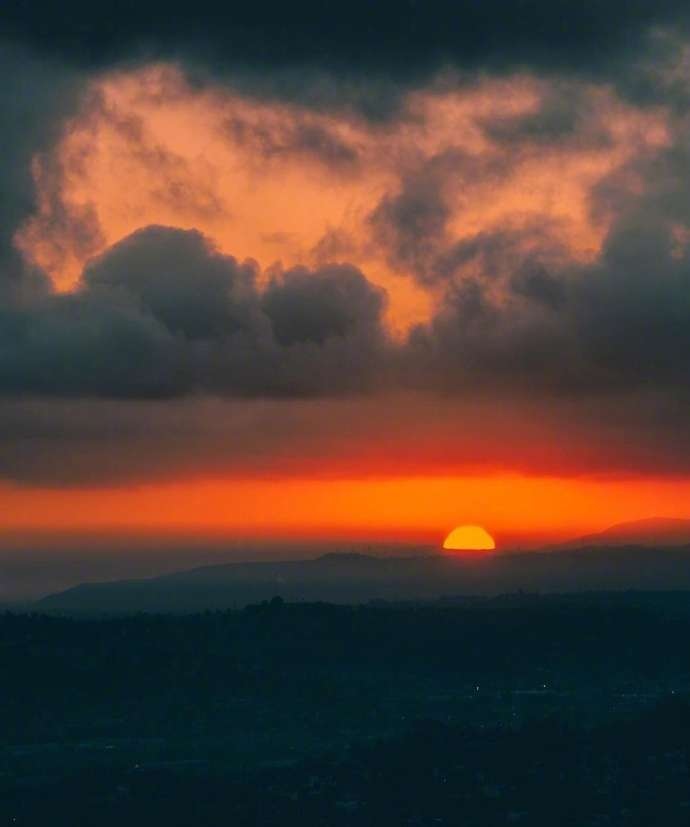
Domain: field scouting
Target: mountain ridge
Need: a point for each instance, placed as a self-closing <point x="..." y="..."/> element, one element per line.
<point x="362" y="578"/>
<point x="648" y="531"/>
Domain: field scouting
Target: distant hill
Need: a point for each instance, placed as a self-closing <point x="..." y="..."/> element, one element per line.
<point x="653" y="531"/>
<point x="359" y="578"/>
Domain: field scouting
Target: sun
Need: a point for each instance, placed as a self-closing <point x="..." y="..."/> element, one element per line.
<point x="469" y="538"/>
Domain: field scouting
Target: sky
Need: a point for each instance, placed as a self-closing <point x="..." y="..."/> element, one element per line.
<point x="361" y="271"/>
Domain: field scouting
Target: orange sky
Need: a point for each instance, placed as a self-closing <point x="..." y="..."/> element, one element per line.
<point x="148" y="148"/>
<point x="513" y="508"/>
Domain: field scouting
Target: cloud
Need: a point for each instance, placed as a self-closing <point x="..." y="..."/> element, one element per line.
<point x="304" y="136"/>
<point x="542" y="218"/>
<point x="522" y="318"/>
<point x="105" y="442"/>
<point x="42" y="94"/>
<point x="177" y="278"/>
<point x="405" y="42"/>
<point x="336" y="302"/>
<point x="399" y="204"/>
<point x="413" y="223"/>
<point x="162" y="313"/>
<point x="530" y="321"/>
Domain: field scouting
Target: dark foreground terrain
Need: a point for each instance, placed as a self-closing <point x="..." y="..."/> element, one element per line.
<point x="360" y="578"/>
<point x="519" y="710"/>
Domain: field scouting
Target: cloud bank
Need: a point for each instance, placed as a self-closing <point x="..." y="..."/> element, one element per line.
<point x="499" y="224"/>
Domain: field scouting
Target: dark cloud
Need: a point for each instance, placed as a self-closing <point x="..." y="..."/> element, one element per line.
<point x="564" y="369"/>
<point x="403" y="39"/>
<point x="162" y="313"/>
<point x="93" y="442"/>
<point x="518" y="254"/>
<point x="566" y="113"/>
<point x="620" y="324"/>
<point x="300" y="137"/>
<point x="180" y="280"/>
<point x="337" y="302"/>
<point x="533" y="281"/>
<point x="411" y="224"/>
<point x="38" y="95"/>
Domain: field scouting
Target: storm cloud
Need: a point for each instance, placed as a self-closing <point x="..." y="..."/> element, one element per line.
<point x="520" y="315"/>
<point x="399" y="40"/>
<point x="298" y="213"/>
<point x="164" y="314"/>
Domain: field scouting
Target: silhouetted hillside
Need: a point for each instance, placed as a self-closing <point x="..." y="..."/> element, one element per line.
<point x="357" y="578"/>
<point x="653" y="531"/>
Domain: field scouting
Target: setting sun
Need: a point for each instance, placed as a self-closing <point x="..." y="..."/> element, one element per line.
<point x="469" y="538"/>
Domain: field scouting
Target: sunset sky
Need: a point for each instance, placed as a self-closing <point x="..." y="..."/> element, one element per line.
<point x="358" y="271"/>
